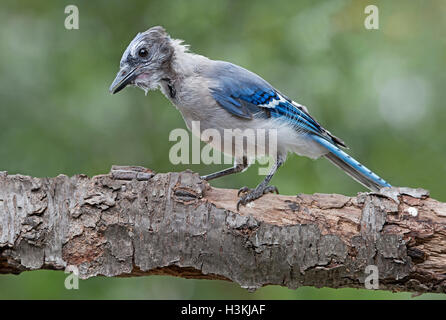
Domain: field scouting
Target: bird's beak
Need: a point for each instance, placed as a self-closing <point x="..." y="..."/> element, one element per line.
<point x="124" y="77"/>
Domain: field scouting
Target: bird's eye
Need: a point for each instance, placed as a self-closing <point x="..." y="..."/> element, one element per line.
<point x="143" y="52"/>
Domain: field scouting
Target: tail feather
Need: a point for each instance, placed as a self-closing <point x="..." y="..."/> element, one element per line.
<point x="352" y="167"/>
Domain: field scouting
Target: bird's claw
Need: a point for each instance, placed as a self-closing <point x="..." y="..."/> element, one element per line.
<point x="243" y="190"/>
<point x="253" y="194"/>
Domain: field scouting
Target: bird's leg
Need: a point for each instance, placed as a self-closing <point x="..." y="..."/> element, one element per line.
<point x="238" y="167"/>
<point x="261" y="189"/>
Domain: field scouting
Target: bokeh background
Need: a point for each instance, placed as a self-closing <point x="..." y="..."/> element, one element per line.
<point x="382" y="91"/>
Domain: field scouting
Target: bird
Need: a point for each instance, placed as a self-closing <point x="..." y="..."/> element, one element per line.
<point x="221" y="95"/>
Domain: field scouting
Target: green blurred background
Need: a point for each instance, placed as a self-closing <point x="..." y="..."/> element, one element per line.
<point x="382" y="91"/>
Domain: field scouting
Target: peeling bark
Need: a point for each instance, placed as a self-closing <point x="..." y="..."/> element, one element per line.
<point x="133" y="222"/>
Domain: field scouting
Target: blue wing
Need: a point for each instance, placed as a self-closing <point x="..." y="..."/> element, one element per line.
<point x="245" y="94"/>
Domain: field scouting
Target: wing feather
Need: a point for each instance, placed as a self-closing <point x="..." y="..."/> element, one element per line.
<point x="245" y="94"/>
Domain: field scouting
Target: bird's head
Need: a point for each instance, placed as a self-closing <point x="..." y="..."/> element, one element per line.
<point x="145" y="61"/>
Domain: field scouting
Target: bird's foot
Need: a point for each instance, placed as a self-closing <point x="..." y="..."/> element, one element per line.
<point x="253" y="194"/>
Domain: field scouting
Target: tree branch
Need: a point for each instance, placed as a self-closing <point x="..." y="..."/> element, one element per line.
<point x="133" y="222"/>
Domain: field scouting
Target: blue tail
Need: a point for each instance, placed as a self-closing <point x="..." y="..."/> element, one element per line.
<point x="352" y="167"/>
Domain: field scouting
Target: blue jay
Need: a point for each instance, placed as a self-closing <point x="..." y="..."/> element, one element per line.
<point x="221" y="95"/>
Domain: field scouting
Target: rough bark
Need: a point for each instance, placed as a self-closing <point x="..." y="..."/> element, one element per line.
<point x="134" y="223"/>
